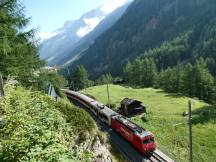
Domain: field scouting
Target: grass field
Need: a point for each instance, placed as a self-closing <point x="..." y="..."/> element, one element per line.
<point x="165" y="120"/>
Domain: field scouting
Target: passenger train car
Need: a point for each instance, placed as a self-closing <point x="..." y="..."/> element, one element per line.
<point x="141" y="139"/>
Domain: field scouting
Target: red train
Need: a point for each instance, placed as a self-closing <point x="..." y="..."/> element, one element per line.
<point x="140" y="138"/>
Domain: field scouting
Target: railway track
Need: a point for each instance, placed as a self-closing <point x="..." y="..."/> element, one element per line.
<point x="158" y="156"/>
<point x="124" y="147"/>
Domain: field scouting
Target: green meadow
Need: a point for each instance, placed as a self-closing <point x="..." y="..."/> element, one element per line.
<point x="165" y="120"/>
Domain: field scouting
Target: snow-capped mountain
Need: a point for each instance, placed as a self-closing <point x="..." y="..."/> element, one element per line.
<point x="65" y="39"/>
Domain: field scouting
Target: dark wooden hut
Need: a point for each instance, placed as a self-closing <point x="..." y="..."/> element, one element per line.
<point x="130" y="107"/>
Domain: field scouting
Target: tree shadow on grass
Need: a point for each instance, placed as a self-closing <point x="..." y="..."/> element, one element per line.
<point x="175" y="95"/>
<point x="168" y="94"/>
<point x="131" y="86"/>
<point x="204" y="115"/>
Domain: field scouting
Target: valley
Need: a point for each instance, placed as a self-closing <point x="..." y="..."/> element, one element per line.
<point x="159" y="52"/>
<point x="164" y="119"/>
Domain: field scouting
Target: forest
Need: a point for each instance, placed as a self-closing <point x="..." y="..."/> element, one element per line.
<point x="188" y="26"/>
<point x="18" y="48"/>
<point x="33" y="127"/>
<point x="176" y="67"/>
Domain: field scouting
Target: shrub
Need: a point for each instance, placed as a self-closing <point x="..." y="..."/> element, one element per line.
<point x="111" y="105"/>
<point x="144" y="118"/>
<point x="79" y="119"/>
<point x="102" y="136"/>
<point x="34" y="130"/>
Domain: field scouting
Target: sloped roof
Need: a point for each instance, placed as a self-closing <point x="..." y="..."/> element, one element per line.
<point x="127" y="101"/>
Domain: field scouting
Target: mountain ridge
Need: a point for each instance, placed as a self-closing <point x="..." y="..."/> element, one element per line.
<point x="84" y="43"/>
<point x="145" y="25"/>
<point x="66" y="37"/>
<point x="59" y="49"/>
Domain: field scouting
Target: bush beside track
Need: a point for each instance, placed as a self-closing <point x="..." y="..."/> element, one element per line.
<point x="35" y="128"/>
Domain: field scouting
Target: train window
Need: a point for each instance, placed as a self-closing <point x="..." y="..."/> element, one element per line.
<point x="100" y="106"/>
<point x="148" y="140"/>
<point x="103" y="117"/>
<point x="94" y="109"/>
<point x="139" y="129"/>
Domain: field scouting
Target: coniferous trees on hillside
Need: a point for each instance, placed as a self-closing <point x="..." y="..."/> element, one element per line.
<point x="191" y="80"/>
<point x="184" y="67"/>
<point x="141" y="72"/>
<point x="79" y="79"/>
<point x="202" y="81"/>
<point x="148" y="24"/>
<point x="168" y="54"/>
<point x="18" y="51"/>
<point x="104" y="79"/>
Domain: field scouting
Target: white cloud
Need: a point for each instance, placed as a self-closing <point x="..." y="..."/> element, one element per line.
<point x="91" y="23"/>
<point x="45" y="35"/>
<point x="112" y="5"/>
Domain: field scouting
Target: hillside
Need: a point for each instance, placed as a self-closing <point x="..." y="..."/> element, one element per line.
<point x="84" y="43"/>
<point x="75" y="36"/>
<point x="146" y="25"/>
<point x="67" y="36"/>
<point x="33" y="127"/>
<point x="165" y="120"/>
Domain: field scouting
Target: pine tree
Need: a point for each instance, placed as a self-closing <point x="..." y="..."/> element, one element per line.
<point x="128" y="73"/>
<point x="80" y="78"/>
<point x="203" y="79"/>
<point x="144" y="72"/>
<point x="178" y="79"/>
<point x="18" y="50"/>
<point x="212" y="93"/>
<point x="198" y="82"/>
<point x="147" y="72"/>
<point x="167" y="80"/>
<point x="188" y="80"/>
<point x="136" y="72"/>
<point x="104" y="79"/>
<point x="211" y="64"/>
<point x="152" y="73"/>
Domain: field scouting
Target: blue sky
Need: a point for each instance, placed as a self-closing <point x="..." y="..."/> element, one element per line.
<point x="49" y="15"/>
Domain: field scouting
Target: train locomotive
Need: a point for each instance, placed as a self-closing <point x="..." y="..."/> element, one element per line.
<point x="141" y="139"/>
